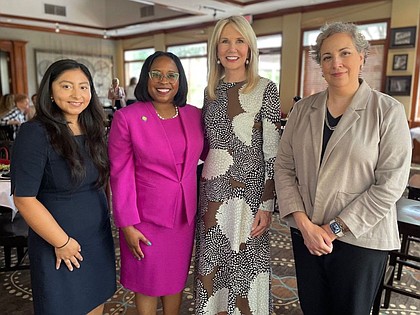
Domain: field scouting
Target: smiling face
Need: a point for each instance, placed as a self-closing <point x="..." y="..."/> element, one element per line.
<point x="72" y="94"/>
<point x="232" y="51"/>
<point x="341" y="62"/>
<point x="162" y="91"/>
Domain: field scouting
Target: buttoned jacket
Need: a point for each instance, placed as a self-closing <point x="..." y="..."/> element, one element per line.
<point x="145" y="183"/>
<point x="362" y="174"/>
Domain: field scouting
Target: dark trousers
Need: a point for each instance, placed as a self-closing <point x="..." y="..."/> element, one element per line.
<point x="118" y="104"/>
<point x="344" y="282"/>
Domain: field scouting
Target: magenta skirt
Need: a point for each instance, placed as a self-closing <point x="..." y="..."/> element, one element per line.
<point x="164" y="269"/>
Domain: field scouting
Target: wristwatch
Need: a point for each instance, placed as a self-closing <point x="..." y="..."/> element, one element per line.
<point x="336" y="228"/>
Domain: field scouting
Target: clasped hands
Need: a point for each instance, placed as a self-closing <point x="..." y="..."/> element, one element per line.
<point x="318" y="239"/>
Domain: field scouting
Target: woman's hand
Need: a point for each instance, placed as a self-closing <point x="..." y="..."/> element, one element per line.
<point x="261" y="223"/>
<point x="316" y="239"/>
<point x="69" y="254"/>
<point x="133" y="237"/>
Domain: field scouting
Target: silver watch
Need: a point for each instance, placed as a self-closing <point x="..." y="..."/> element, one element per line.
<point x="336" y="228"/>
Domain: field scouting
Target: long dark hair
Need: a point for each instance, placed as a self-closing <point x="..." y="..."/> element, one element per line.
<point x="141" y="91"/>
<point x="91" y="122"/>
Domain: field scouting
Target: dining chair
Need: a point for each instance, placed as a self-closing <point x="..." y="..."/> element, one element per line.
<point x="408" y="212"/>
<point x="13" y="235"/>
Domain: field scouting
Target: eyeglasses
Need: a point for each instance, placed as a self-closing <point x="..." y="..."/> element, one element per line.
<point x="157" y="76"/>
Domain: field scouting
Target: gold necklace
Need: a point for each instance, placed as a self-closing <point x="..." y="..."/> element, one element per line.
<point x="174" y="116"/>
<point x="327" y="122"/>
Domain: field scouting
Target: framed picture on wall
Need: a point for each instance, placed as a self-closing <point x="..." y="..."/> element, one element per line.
<point x="100" y="66"/>
<point x="399" y="62"/>
<point x="398" y="85"/>
<point x="403" y="37"/>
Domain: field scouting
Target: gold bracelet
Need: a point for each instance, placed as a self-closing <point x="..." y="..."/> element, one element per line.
<point x="68" y="240"/>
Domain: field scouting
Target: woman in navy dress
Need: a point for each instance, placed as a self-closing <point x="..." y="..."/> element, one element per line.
<point x="59" y="172"/>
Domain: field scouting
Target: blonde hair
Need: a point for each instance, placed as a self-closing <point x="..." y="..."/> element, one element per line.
<point x="216" y="71"/>
<point x="7" y="102"/>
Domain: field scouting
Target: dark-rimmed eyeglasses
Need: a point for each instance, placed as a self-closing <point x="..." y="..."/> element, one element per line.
<point x="157" y="76"/>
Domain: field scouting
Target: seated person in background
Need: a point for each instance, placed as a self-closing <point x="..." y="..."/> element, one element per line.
<point x="17" y="115"/>
<point x="7" y="103"/>
<point x="33" y="99"/>
<point x="131" y="98"/>
<point x="31" y="110"/>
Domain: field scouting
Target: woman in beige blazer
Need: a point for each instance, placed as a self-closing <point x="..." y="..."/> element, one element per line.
<point x="343" y="162"/>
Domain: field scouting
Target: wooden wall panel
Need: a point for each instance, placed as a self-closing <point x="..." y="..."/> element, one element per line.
<point x="17" y="52"/>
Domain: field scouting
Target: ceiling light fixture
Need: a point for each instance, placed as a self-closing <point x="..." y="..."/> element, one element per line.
<point x="215" y="10"/>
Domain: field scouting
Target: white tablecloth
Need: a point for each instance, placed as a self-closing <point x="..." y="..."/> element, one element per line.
<point x="415" y="133"/>
<point x="6" y="200"/>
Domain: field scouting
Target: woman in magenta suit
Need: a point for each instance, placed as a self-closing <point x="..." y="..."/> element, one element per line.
<point x="154" y="148"/>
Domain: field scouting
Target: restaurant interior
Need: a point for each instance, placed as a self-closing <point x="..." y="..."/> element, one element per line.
<point x="113" y="38"/>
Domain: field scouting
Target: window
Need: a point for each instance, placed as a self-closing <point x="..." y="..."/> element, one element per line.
<point x="133" y="61"/>
<point x="194" y="61"/>
<point x="270" y="57"/>
<point x="373" y="71"/>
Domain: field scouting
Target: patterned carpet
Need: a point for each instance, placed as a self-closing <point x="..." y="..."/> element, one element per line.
<point x="15" y="289"/>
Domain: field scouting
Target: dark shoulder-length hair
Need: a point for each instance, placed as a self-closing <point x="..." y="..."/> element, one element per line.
<point x="91" y="122"/>
<point x="141" y="91"/>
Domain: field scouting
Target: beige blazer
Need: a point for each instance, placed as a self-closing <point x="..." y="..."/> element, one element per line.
<point x="363" y="173"/>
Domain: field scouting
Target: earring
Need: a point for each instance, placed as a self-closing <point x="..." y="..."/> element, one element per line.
<point x="52" y="99"/>
<point x="247" y="62"/>
<point x="218" y="61"/>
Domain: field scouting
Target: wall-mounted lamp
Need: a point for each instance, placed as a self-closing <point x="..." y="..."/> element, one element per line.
<point x="105" y="35"/>
<point x="57" y="28"/>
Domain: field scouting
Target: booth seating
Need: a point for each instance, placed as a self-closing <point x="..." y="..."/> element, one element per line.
<point x="408" y="211"/>
<point x="13" y="235"/>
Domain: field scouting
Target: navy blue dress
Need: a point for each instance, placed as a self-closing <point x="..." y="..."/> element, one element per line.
<point x="37" y="170"/>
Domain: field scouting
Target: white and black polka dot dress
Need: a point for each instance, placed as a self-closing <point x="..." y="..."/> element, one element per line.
<point x="243" y="131"/>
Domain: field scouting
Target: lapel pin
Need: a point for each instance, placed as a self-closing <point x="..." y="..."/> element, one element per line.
<point x="144" y="118"/>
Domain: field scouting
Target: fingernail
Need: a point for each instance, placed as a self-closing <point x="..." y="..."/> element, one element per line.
<point x="138" y="258"/>
<point x="148" y="243"/>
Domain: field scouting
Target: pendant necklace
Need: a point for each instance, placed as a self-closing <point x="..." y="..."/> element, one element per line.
<point x="174" y="116"/>
<point x="327" y="123"/>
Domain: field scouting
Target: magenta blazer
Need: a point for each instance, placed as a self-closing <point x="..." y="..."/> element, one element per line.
<point x="145" y="183"/>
